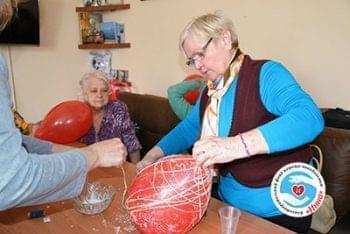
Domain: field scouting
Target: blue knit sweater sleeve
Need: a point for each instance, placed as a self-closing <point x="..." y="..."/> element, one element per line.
<point x="183" y="135"/>
<point x="299" y="121"/>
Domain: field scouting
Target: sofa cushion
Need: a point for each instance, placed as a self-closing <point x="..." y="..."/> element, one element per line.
<point x="335" y="145"/>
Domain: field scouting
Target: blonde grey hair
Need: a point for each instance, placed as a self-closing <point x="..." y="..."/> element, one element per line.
<point x="6" y="12"/>
<point x="209" y="26"/>
<point x="95" y="74"/>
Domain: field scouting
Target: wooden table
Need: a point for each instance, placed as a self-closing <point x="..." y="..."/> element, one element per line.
<point x="64" y="219"/>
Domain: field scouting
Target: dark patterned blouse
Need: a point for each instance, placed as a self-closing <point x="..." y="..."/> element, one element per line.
<point x="115" y="123"/>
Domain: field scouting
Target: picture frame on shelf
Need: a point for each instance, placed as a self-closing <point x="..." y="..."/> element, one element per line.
<point x="120" y="75"/>
<point x="90" y="37"/>
<point x="113" y="31"/>
<point x="89" y="24"/>
<point x="120" y="33"/>
<point x="123" y="75"/>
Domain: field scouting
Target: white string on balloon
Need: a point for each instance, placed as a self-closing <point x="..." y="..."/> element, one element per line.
<point x="125" y="188"/>
<point x="174" y="183"/>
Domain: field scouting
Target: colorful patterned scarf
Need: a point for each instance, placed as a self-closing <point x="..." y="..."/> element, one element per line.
<point x="216" y="90"/>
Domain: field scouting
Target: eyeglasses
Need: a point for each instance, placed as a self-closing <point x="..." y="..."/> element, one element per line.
<point x="199" y="55"/>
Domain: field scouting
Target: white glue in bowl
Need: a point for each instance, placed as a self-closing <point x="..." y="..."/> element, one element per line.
<point x="95" y="198"/>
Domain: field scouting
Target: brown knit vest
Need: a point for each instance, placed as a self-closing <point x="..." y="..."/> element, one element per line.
<point x="249" y="113"/>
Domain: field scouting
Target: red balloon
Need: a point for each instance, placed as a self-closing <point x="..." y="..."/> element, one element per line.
<point x="65" y="123"/>
<point x="116" y="86"/>
<point x="169" y="196"/>
<point x="192" y="95"/>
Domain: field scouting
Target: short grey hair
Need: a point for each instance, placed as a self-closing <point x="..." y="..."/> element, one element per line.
<point x="209" y="26"/>
<point x="95" y="74"/>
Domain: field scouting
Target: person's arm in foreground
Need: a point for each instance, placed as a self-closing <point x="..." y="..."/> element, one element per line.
<point x="29" y="178"/>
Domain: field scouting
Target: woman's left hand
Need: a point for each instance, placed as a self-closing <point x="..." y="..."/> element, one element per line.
<point x="212" y="150"/>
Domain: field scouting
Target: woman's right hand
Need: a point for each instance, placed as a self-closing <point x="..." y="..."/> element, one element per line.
<point x="108" y="153"/>
<point x="153" y="155"/>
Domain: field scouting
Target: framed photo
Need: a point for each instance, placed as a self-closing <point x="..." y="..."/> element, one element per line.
<point x="89" y="24"/>
<point x="123" y="75"/>
<point x="113" y="31"/>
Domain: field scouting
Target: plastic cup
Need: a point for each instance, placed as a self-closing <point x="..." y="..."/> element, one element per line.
<point x="229" y="217"/>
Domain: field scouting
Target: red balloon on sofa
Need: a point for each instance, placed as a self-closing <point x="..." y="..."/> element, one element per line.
<point x="65" y="123"/>
<point x="192" y="95"/>
<point x="169" y="196"/>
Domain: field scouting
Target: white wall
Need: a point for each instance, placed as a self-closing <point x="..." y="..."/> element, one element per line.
<point x="310" y="37"/>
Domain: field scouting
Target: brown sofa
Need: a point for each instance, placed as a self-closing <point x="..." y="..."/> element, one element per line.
<point x="155" y="118"/>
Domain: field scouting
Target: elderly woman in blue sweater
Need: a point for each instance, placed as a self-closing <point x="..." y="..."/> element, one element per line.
<point x="252" y="119"/>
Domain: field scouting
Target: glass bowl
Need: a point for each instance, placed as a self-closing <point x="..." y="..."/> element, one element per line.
<point x="95" y="198"/>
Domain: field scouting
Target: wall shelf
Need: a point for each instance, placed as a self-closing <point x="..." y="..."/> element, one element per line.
<point x="103" y="8"/>
<point x="113" y="7"/>
<point x="104" y="46"/>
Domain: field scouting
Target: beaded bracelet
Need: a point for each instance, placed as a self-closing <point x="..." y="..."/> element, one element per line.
<point x="245" y="145"/>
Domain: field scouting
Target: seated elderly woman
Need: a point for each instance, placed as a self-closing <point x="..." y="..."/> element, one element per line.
<point x="110" y="118"/>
